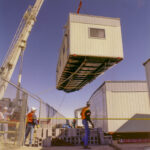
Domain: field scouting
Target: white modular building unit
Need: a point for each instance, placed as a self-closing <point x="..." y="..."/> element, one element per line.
<point x="91" y="45"/>
<point x="77" y="114"/>
<point x="121" y="107"/>
<point x="147" y="69"/>
<point x="50" y="117"/>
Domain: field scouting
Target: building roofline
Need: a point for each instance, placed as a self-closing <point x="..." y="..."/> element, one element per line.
<point x="95" y="16"/>
<point x="124" y="81"/>
<point x="98" y="89"/>
<point x="146" y="62"/>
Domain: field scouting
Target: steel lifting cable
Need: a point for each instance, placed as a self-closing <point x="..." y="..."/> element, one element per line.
<point x="20" y="74"/>
<point x="62" y="101"/>
<point x="46" y="90"/>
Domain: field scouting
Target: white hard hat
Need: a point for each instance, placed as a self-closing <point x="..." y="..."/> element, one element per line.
<point x="5" y="108"/>
<point x="33" y="109"/>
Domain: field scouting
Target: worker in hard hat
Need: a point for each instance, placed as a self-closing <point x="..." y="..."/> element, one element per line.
<point x="85" y="115"/>
<point x="5" y="125"/>
<point x="6" y="116"/>
<point x="31" y="122"/>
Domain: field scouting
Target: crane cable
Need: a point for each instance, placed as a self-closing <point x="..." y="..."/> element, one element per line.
<point x="20" y="74"/>
<point x="62" y="101"/>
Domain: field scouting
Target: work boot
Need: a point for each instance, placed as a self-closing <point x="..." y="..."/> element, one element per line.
<point x="87" y="147"/>
<point x="82" y="143"/>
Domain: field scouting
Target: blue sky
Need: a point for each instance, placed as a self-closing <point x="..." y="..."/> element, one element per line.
<point x="41" y="54"/>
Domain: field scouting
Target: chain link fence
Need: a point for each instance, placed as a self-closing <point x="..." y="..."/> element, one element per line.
<point x="15" y="105"/>
<point x="13" y="108"/>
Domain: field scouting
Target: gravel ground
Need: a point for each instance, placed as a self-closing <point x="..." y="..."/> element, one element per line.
<point x="58" y="148"/>
<point x="115" y="146"/>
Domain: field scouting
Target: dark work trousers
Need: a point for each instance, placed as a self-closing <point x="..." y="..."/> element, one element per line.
<point x="87" y="132"/>
<point x="29" y="129"/>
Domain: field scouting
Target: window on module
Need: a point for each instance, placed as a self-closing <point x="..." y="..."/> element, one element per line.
<point x="97" y="33"/>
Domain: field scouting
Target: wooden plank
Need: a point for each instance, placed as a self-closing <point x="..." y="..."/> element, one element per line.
<point x="93" y="64"/>
<point x="88" y="68"/>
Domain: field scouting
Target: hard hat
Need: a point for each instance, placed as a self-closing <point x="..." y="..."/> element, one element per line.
<point x="5" y="108"/>
<point x="33" y="109"/>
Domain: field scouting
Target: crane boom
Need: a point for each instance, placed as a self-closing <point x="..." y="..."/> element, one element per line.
<point x="18" y="45"/>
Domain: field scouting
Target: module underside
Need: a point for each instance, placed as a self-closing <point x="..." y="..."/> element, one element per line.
<point x="81" y="70"/>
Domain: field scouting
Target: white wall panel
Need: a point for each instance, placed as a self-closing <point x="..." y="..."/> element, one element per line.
<point x="90" y="19"/>
<point x="147" y="69"/>
<point x="98" y="109"/>
<point x="126" y="105"/>
<point x="122" y="100"/>
<point x="82" y="44"/>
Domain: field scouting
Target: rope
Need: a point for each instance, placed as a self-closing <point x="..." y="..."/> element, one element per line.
<point x="62" y="101"/>
<point x="46" y="90"/>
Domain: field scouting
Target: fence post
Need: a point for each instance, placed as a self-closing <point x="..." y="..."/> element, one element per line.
<point x="22" y="125"/>
<point x="40" y="112"/>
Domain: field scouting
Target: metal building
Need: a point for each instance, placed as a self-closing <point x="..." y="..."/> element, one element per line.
<point x="77" y="114"/>
<point x="121" y="106"/>
<point x="50" y="117"/>
<point x="147" y="69"/>
<point x="91" y="45"/>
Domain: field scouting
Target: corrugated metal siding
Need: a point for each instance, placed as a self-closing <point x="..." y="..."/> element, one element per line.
<point x="147" y="69"/>
<point x="126" y="105"/>
<point x="99" y="20"/>
<point x="124" y="99"/>
<point x="125" y="86"/>
<point x="49" y="112"/>
<point x="63" y="56"/>
<point x="82" y="44"/>
<point x="60" y="119"/>
<point x="98" y="109"/>
<point x="78" y="115"/>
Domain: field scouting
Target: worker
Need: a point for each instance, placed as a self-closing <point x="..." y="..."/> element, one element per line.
<point x="74" y="123"/>
<point x="1" y="119"/>
<point x="5" y="116"/>
<point x="31" y="122"/>
<point x="67" y="125"/>
<point x="85" y="115"/>
<point x="5" y="125"/>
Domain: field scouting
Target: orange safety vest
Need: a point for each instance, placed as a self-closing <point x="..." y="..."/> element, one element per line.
<point x="83" y="112"/>
<point x="30" y="117"/>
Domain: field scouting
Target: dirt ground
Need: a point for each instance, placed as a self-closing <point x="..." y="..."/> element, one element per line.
<point x="115" y="146"/>
<point x="59" y="148"/>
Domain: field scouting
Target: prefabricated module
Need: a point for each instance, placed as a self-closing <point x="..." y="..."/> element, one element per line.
<point x="90" y="46"/>
<point x="147" y="69"/>
<point x="121" y="107"/>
